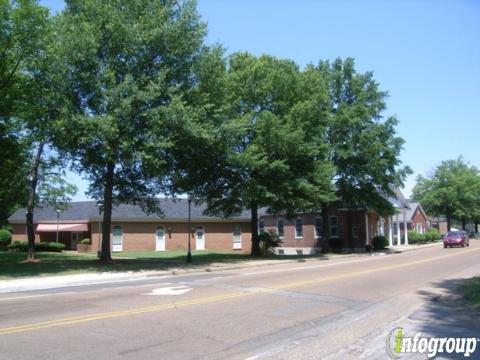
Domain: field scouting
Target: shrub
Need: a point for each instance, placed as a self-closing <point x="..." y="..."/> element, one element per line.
<point x="336" y="244"/>
<point x="379" y="242"/>
<point x="5" y="239"/>
<point x="416" y="238"/>
<point x="18" y="246"/>
<point x="86" y="241"/>
<point x="55" y="247"/>
<point x="269" y="241"/>
<point x="435" y="234"/>
<point x="42" y="246"/>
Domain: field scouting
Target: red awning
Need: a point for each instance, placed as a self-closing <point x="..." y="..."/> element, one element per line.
<point x="61" y="227"/>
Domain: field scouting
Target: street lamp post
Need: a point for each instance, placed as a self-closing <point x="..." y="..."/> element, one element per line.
<point x="100" y="210"/>
<point x="189" y="253"/>
<point x="58" y="220"/>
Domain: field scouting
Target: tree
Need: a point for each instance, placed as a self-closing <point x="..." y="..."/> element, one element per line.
<point x="257" y="154"/>
<point x="34" y="101"/>
<point x="363" y="148"/>
<point x="130" y="66"/>
<point x="452" y="190"/>
<point x="21" y="28"/>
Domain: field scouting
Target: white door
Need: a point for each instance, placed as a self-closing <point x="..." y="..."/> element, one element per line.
<point x="160" y="239"/>
<point x="200" y="238"/>
<point x="117" y="242"/>
<point x="237" y="237"/>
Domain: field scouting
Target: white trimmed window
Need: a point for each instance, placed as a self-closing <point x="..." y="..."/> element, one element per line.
<point x="280" y="228"/>
<point x="237" y="237"/>
<point x="298" y="228"/>
<point x="333" y="226"/>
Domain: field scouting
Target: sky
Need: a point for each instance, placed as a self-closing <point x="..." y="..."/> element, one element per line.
<point x="426" y="54"/>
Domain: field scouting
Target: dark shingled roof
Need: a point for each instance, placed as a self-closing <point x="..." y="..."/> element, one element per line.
<point x="173" y="209"/>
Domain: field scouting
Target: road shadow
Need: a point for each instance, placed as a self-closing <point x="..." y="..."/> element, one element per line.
<point x="448" y="315"/>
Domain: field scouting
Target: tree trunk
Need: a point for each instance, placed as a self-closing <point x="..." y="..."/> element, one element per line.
<point x="105" y="254"/>
<point x="476" y="227"/>
<point x="449" y="220"/>
<point x="326" y="227"/>
<point x="464" y="224"/>
<point x="254" y="222"/>
<point x="32" y="193"/>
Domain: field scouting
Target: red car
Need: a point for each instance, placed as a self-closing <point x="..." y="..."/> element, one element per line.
<point x="456" y="238"/>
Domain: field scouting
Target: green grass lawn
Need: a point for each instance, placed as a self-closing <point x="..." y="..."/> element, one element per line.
<point x="471" y="291"/>
<point x="12" y="264"/>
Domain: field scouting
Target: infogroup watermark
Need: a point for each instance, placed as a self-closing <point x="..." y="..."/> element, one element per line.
<point x="398" y="345"/>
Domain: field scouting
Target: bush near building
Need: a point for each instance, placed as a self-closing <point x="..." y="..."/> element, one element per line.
<point x="42" y="246"/>
<point x="5" y="239"/>
<point x="379" y="242"/>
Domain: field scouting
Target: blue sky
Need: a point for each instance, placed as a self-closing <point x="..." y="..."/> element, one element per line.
<point x="426" y="54"/>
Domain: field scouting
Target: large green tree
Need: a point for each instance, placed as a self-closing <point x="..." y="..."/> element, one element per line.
<point x="22" y="26"/>
<point x="363" y="146"/>
<point x="33" y="100"/>
<point x="130" y="67"/>
<point x="257" y="153"/>
<point x="452" y="190"/>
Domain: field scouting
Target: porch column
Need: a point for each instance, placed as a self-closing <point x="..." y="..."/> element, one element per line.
<point x="399" y="235"/>
<point x="390" y="231"/>
<point x="367" y="238"/>
<point x="405" y="227"/>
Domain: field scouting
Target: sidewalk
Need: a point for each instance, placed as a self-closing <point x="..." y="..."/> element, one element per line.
<point x="53" y="282"/>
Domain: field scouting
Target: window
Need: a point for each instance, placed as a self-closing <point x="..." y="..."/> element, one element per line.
<point x="318" y="227"/>
<point x="333" y="226"/>
<point x="354" y="232"/>
<point x="261" y="227"/>
<point x="419" y="228"/>
<point x="299" y="228"/>
<point x="280" y="228"/>
<point x="200" y="232"/>
<point x="237" y="237"/>
<point x="117" y="242"/>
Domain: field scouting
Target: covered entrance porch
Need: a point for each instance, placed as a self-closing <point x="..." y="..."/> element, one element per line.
<point x="68" y="234"/>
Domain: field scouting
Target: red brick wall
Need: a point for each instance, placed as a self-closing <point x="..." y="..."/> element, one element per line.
<point x="418" y="218"/>
<point x="142" y="236"/>
<point x="347" y="219"/>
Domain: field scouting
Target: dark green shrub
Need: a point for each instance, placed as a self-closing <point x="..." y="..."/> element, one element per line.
<point x="379" y="242"/>
<point x="269" y="241"/>
<point x="18" y="246"/>
<point x="336" y="244"/>
<point x="54" y="247"/>
<point x="86" y="241"/>
<point x="435" y="234"/>
<point x="42" y="246"/>
<point x="5" y="239"/>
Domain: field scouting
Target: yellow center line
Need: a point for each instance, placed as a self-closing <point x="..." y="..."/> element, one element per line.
<point x="212" y="299"/>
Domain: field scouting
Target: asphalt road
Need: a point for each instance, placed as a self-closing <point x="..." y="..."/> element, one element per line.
<point x="336" y="309"/>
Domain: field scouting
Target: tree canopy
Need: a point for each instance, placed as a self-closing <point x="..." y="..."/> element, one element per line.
<point x="452" y="190"/>
<point x="129" y="67"/>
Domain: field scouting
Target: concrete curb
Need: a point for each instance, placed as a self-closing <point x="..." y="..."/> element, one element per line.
<point x="62" y="281"/>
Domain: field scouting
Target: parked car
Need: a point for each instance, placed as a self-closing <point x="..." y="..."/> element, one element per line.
<point x="456" y="238"/>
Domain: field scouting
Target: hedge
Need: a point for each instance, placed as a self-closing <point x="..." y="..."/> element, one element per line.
<point x="5" y="239"/>
<point x="42" y="246"/>
<point x="379" y="242"/>
<point x="86" y="241"/>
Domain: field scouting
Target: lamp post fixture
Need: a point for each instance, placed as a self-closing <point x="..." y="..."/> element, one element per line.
<point x="100" y="210"/>
<point x="189" y="253"/>
<point x="58" y="220"/>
